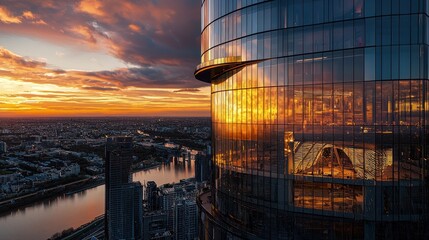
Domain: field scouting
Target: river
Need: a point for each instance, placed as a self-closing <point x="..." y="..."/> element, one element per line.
<point x="42" y="219"/>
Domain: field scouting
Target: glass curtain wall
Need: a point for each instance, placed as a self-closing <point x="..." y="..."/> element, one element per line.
<point x="319" y="129"/>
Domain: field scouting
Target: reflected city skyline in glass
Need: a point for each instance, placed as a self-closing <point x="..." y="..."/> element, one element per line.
<point x="319" y="126"/>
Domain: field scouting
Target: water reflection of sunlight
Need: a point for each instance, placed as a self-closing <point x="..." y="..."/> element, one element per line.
<point x="41" y="219"/>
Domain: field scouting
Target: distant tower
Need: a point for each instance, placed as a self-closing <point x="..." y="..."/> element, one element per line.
<point x="168" y="196"/>
<point x="179" y="214"/>
<point x="191" y="219"/>
<point x="185" y="219"/>
<point x="152" y="196"/>
<point x="3" y="147"/>
<point x="123" y="206"/>
<point x="202" y="167"/>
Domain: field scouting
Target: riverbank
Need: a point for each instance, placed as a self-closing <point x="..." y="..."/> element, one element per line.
<point x="15" y="204"/>
<point x="81" y="232"/>
<point x="138" y="169"/>
<point x="44" y="218"/>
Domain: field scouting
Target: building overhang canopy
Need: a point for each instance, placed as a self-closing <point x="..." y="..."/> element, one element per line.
<point x="209" y="71"/>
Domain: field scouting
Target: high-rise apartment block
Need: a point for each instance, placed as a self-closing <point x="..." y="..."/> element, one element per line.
<point x="151" y="196"/>
<point x="178" y="212"/>
<point x="123" y="206"/>
<point x="202" y="166"/>
<point x="185" y="219"/>
<point x="320" y="115"/>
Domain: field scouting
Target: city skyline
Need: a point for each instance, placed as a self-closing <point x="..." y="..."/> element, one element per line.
<point x="100" y="58"/>
<point x="39" y="157"/>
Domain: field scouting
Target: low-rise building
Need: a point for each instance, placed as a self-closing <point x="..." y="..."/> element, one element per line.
<point x="71" y="170"/>
<point x="9" y="177"/>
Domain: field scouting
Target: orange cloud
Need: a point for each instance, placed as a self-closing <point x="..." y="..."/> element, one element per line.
<point x="40" y="22"/>
<point x="134" y="28"/>
<point x="10" y="60"/>
<point x="7" y="17"/>
<point x="84" y="32"/>
<point x="165" y="27"/>
<point x="30" y="88"/>
<point x="28" y="15"/>
<point x="92" y="7"/>
<point x="163" y="54"/>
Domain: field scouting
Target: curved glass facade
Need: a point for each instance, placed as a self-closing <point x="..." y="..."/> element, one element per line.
<point x="320" y="116"/>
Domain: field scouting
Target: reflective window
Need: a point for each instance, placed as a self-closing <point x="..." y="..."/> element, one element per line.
<point x="330" y="119"/>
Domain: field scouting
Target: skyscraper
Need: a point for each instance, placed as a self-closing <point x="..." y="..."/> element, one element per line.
<point x="319" y="118"/>
<point x="185" y="219"/>
<point x="202" y="167"/>
<point x="151" y="195"/>
<point x="123" y="206"/>
<point x="191" y="219"/>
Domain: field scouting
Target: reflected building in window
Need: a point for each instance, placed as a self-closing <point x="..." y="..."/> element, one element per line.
<point x="319" y="111"/>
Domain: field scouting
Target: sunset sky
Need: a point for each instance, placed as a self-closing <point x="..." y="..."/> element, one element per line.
<point x="100" y="58"/>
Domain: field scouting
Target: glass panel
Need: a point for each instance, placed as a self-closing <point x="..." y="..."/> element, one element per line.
<point x="386" y="63"/>
<point x="338" y="66"/>
<point x="404" y="24"/>
<point x="404" y="65"/>
<point x="370" y="32"/>
<point x="338" y="36"/>
<point x="348" y="66"/>
<point x="370" y="64"/>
